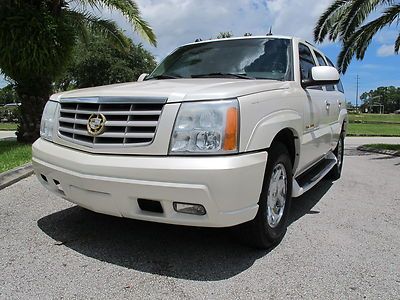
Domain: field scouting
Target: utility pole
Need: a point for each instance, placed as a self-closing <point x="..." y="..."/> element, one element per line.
<point x="358" y="78"/>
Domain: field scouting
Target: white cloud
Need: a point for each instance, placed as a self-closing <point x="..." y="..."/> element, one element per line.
<point x="385" y="50"/>
<point x="293" y="17"/>
<point x="386" y="36"/>
<point x="176" y="22"/>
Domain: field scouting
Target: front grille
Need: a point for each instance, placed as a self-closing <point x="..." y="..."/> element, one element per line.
<point x="127" y="124"/>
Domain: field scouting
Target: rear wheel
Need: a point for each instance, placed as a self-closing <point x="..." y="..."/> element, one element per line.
<point x="336" y="171"/>
<point x="269" y="225"/>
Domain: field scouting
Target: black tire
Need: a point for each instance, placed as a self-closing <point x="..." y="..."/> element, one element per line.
<point x="336" y="171"/>
<point x="258" y="233"/>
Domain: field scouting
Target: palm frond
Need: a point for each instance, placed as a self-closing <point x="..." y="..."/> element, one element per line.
<point x="329" y="19"/>
<point x="397" y="45"/>
<point x="84" y="22"/>
<point x="357" y="14"/>
<point x="343" y="17"/>
<point x="131" y="11"/>
<point x="359" y="41"/>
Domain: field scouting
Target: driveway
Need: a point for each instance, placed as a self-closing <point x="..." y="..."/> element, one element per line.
<point x="343" y="242"/>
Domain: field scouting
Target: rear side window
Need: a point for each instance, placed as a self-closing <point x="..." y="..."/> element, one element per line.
<point x="339" y="86"/>
<point x="322" y="62"/>
<point x="306" y="61"/>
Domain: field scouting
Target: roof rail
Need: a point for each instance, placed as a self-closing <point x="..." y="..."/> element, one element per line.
<point x="311" y="44"/>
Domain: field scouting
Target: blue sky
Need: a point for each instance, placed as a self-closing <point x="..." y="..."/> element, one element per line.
<point x="176" y="22"/>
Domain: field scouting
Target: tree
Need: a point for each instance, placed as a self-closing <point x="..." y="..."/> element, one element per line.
<point x="224" y="35"/>
<point x="344" y="21"/>
<point x="388" y="96"/>
<point x="37" y="39"/>
<point x="99" y="63"/>
<point x="7" y="94"/>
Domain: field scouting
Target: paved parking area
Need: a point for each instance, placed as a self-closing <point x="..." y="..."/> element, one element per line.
<point x="343" y="242"/>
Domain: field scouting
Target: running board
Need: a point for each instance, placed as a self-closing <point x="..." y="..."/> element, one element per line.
<point x="311" y="177"/>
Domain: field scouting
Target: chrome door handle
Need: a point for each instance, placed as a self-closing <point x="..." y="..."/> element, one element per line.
<point x="328" y="104"/>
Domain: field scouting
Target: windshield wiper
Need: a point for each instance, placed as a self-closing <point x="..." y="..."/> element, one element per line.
<point x="164" y="76"/>
<point x="219" y="74"/>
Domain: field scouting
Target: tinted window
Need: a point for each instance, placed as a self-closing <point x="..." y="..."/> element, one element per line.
<point x="322" y="62"/>
<point x="339" y="86"/>
<point x="306" y="61"/>
<point x="264" y="58"/>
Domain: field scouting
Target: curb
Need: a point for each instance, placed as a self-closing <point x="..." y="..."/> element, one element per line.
<point x="8" y="139"/>
<point x="380" y="151"/>
<point x="10" y="177"/>
<point x="371" y="135"/>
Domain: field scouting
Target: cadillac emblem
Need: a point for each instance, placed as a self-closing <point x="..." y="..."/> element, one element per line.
<point x="96" y="124"/>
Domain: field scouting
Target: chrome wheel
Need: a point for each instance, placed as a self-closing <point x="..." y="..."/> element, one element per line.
<point x="340" y="153"/>
<point x="277" y="194"/>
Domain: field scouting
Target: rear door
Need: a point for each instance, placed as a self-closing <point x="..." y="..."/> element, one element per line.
<point x="338" y="103"/>
<point x="331" y="113"/>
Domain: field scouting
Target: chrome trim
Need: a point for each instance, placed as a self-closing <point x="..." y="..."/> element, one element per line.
<point x="115" y="100"/>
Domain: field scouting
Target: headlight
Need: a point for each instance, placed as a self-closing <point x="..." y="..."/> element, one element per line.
<point x="209" y="127"/>
<point x="48" y="120"/>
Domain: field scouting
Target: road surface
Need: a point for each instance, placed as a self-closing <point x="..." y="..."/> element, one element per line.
<point x="343" y="242"/>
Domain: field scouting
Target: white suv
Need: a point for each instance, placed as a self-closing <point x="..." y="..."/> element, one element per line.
<point x="223" y="132"/>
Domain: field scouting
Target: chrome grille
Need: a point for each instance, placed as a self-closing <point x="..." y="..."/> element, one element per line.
<point x="127" y="124"/>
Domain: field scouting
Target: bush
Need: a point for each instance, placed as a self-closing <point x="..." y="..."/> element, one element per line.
<point x="8" y="113"/>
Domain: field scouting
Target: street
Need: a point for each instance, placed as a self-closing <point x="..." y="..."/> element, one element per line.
<point x="343" y="242"/>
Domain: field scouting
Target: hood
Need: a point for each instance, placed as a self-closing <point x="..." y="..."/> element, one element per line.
<point x="179" y="90"/>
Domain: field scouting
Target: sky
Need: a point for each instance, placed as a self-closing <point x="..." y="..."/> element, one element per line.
<point x="178" y="22"/>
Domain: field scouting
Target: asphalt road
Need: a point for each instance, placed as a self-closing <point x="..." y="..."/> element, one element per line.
<point x="343" y="242"/>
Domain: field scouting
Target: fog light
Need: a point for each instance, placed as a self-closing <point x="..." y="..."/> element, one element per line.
<point x="188" y="208"/>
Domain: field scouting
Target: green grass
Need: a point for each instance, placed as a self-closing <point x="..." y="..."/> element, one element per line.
<point x="375" y="118"/>
<point x="357" y="129"/>
<point x="14" y="154"/>
<point x="8" y="126"/>
<point x="394" y="147"/>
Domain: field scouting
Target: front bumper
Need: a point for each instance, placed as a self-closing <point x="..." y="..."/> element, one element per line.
<point x="227" y="186"/>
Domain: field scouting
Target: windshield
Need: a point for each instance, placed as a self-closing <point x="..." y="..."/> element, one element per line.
<point x="263" y="58"/>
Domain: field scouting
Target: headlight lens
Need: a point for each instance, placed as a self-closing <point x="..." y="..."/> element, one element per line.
<point x="209" y="127"/>
<point x="48" y="120"/>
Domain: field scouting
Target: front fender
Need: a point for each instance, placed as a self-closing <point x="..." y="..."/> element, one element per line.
<point x="269" y="126"/>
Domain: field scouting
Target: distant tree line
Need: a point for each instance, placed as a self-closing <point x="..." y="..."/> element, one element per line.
<point x="97" y="62"/>
<point x="386" y="99"/>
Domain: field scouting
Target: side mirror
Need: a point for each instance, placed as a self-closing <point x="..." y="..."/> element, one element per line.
<point x="142" y="77"/>
<point x="321" y="75"/>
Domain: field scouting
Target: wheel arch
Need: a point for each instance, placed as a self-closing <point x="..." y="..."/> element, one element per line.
<point x="283" y="127"/>
<point x="288" y="137"/>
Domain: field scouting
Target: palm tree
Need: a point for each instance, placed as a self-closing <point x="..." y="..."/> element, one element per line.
<point x="345" y="20"/>
<point x="36" y="42"/>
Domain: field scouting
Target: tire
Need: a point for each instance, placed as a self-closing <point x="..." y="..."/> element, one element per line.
<point x="264" y="231"/>
<point x="336" y="171"/>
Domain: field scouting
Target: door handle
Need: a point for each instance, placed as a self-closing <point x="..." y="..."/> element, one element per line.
<point x="328" y="104"/>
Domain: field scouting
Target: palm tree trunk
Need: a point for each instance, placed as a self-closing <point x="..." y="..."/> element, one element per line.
<point x="31" y="109"/>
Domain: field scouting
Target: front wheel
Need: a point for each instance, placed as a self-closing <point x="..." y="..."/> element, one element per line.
<point x="269" y="225"/>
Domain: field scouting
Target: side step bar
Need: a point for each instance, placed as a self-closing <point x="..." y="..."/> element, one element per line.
<point x="311" y="177"/>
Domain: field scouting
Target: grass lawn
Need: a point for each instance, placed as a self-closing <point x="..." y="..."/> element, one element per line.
<point x="8" y="126"/>
<point x="394" y="147"/>
<point x="373" y="129"/>
<point x="365" y="118"/>
<point x="14" y="154"/>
